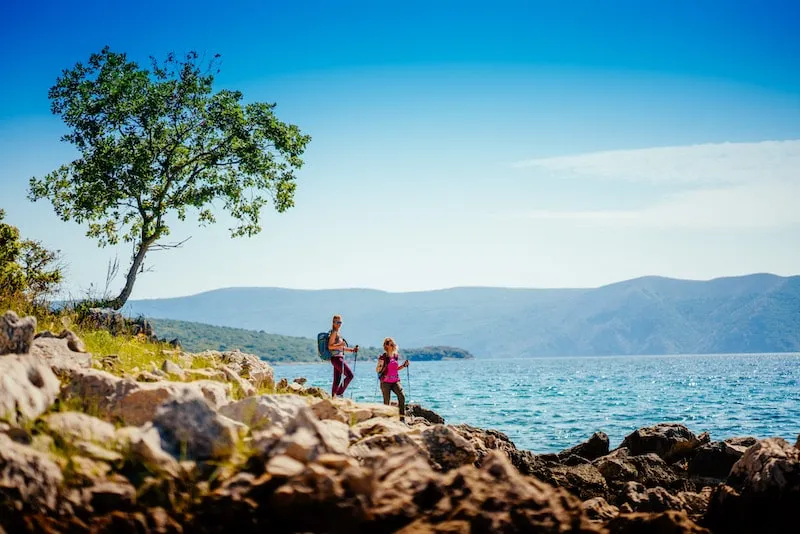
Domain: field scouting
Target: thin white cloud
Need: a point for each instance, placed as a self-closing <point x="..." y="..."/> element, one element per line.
<point x="748" y="206"/>
<point x="723" y="163"/>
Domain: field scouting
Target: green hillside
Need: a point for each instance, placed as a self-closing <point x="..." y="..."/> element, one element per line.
<point x="197" y="337"/>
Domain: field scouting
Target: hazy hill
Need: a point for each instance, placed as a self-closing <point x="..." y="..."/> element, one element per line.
<point x="651" y="315"/>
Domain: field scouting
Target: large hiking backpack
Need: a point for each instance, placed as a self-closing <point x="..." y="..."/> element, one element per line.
<point x="322" y="345"/>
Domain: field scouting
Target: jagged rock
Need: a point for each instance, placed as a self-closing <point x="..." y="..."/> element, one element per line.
<point x="16" y="334"/>
<point x="315" y="391"/>
<point x="107" y="496"/>
<point x="300" y="380"/>
<point x="85" y="471"/>
<point x="584" y="481"/>
<point x="326" y="409"/>
<point x="142" y="445"/>
<point x="247" y="389"/>
<point x="96" y="452"/>
<point x="670" y="441"/>
<point x="206" y="373"/>
<point x="493" y="498"/>
<point x="257" y="412"/>
<point x="416" y="410"/>
<point x="447" y="448"/>
<point x="146" y="376"/>
<point x="73" y="426"/>
<point x="598" y="509"/>
<point x="378" y="425"/>
<point x="694" y="503"/>
<point x="27" y="387"/>
<point x="282" y="384"/>
<point x="172" y="368"/>
<point x="29" y="480"/>
<point x="191" y="429"/>
<point x="284" y="466"/>
<point x="670" y="522"/>
<point x="247" y="366"/>
<point x="656" y="499"/>
<point x="715" y="460"/>
<point x="762" y="493"/>
<point x="56" y="352"/>
<point x="591" y="449"/>
<point x="131" y="402"/>
<point x="484" y="441"/>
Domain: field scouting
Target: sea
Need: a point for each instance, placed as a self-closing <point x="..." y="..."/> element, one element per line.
<point x="550" y="404"/>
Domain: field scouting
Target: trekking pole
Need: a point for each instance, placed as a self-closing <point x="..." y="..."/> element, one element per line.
<point x="408" y="379"/>
<point x="355" y="359"/>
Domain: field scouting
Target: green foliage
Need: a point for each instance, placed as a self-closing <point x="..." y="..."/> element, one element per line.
<point x="28" y="271"/>
<point x="160" y="142"/>
<point x="198" y="337"/>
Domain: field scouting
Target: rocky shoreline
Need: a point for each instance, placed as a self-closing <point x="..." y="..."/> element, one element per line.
<point x="184" y="448"/>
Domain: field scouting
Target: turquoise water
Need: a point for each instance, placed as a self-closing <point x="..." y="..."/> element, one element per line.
<point x="549" y="404"/>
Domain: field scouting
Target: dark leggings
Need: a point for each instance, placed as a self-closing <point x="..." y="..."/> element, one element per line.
<point x="387" y="388"/>
<point x="340" y="367"/>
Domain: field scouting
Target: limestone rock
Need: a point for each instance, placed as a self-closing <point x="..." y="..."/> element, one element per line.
<point x="135" y="403"/>
<point x="172" y="368"/>
<point x="73" y="426"/>
<point x="16" y="334"/>
<point x="656" y="499"/>
<point x="670" y="441"/>
<point x="191" y="429"/>
<point x="248" y="390"/>
<point x="326" y="409"/>
<point x="59" y="356"/>
<point x="29" y="480"/>
<point x="248" y="366"/>
<point x="263" y="410"/>
<point x="143" y="446"/>
<point x="27" y="387"/>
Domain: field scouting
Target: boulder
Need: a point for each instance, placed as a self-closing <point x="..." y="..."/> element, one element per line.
<point x="74" y="426"/>
<point x="247" y="389"/>
<point x="591" y="449"/>
<point x="248" y="366"/>
<point x="191" y="429"/>
<point x="379" y="425"/>
<point x="416" y="410"/>
<point x="762" y="493"/>
<point x="142" y="446"/>
<point x="172" y="368"/>
<point x="29" y="480"/>
<point x="584" y="481"/>
<point x="326" y="409"/>
<point x="643" y="499"/>
<point x="27" y="387"/>
<point x="715" y="460"/>
<point x="446" y="447"/>
<point x="598" y="509"/>
<point x="135" y="403"/>
<point x="670" y="441"/>
<point x="669" y="522"/>
<point x="264" y="410"/>
<point x="16" y="334"/>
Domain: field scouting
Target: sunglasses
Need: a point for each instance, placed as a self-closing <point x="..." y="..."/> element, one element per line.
<point x="337" y="322"/>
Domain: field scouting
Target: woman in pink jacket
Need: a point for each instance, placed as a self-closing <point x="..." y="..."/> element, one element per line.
<point x="388" y="369"/>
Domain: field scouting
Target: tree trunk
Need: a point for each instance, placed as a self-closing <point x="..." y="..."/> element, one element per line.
<point x="122" y="298"/>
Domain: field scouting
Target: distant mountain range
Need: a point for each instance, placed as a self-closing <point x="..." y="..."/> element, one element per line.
<point x="650" y="315"/>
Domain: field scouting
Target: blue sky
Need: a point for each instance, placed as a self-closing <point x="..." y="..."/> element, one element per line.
<point x="523" y="144"/>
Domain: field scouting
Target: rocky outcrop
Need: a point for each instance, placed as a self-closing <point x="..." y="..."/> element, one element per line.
<point x="247" y="366"/>
<point x="715" y="460"/>
<point x="30" y="481"/>
<point x="16" y="335"/>
<point x="65" y="353"/>
<point x="762" y="493"/>
<point x="134" y="403"/>
<point x="27" y="387"/>
<point x="670" y="441"/>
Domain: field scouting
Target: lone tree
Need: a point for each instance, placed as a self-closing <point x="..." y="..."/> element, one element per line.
<point x="160" y="142"/>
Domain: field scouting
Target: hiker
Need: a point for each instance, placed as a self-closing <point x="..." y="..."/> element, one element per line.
<point x="338" y="346"/>
<point x="388" y="369"/>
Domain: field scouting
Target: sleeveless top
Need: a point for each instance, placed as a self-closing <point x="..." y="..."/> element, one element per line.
<point x="392" y="373"/>
<point x="337" y="353"/>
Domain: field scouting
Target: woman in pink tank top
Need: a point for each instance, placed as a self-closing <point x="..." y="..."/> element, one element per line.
<point x="388" y="369"/>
